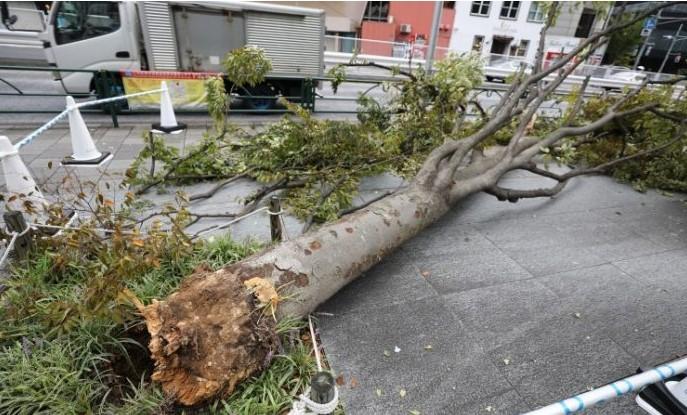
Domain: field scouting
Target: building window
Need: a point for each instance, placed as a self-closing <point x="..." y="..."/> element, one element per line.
<point x="522" y="48"/>
<point x="584" y="27"/>
<point x="377" y="11"/>
<point x="537" y="13"/>
<point x="477" y="43"/>
<point x="449" y="5"/>
<point x="480" y="8"/>
<point x="509" y="9"/>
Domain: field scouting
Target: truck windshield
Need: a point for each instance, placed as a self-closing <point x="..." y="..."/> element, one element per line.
<point x="76" y="21"/>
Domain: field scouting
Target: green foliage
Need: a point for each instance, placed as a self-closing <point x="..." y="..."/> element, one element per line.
<point x="213" y="157"/>
<point x="666" y="170"/>
<point x="218" y="101"/>
<point x="49" y="380"/>
<point x="71" y="340"/>
<point x="320" y="154"/>
<point x="623" y="45"/>
<point x="338" y="75"/>
<point x="426" y="110"/>
<point x="247" y="66"/>
<point x="273" y="390"/>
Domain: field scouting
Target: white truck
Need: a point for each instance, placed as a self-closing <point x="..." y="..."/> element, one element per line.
<point x="182" y="36"/>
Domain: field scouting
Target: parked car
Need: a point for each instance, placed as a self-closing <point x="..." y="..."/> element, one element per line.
<point x="629" y="76"/>
<point x="510" y="65"/>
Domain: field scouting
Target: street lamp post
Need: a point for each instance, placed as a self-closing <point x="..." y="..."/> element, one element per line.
<point x="436" y="20"/>
<point x="674" y="39"/>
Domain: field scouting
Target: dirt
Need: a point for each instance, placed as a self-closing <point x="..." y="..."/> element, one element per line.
<point x="208" y="337"/>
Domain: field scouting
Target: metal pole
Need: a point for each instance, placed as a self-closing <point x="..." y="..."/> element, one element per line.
<point x="640" y="53"/>
<point x="15" y="222"/>
<point x="646" y="40"/>
<point x="436" y="20"/>
<point x="670" y="49"/>
<point x="275" y="224"/>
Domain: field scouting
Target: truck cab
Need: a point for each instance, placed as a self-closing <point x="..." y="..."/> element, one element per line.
<point x="91" y="35"/>
<point x="173" y="37"/>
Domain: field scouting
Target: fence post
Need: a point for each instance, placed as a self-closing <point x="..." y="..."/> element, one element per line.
<point x="322" y="387"/>
<point x="275" y="223"/>
<point x="105" y="89"/>
<point x="14" y="220"/>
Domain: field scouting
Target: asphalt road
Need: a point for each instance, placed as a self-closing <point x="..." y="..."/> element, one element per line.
<point x="330" y="105"/>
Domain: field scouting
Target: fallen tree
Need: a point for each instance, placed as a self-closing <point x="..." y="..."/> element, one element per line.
<point x="218" y="328"/>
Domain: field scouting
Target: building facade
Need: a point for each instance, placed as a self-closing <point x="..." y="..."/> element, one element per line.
<point x="398" y="28"/>
<point x="499" y="29"/>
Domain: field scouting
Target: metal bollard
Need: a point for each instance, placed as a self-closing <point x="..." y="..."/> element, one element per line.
<point x="15" y="222"/>
<point x="322" y="387"/>
<point x="275" y="223"/>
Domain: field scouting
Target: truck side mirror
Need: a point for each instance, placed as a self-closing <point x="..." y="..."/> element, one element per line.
<point x="7" y="20"/>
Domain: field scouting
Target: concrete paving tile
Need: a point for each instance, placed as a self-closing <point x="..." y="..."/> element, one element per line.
<point x="498" y="314"/>
<point x="390" y="282"/>
<point x="466" y="271"/>
<point x="662" y="222"/>
<point x="454" y="368"/>
<point x="544" y="374"/>
<point x="507" y="403"/>
<point x="580" y="195"/>
<point x="442" y="239"/>
<point x="666" y="269"/>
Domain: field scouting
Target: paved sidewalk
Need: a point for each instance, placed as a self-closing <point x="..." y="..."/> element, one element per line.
<point x="520" y="305"/>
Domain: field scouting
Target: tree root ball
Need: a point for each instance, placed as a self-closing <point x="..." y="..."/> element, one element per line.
<point x="207" y="337"/>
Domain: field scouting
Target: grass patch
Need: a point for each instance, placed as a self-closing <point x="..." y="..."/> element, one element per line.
<point x="70" y="344"/>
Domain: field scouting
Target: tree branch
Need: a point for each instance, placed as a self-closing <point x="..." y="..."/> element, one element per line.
<point x="217" y="187"/>
<point x="513" y="195"/>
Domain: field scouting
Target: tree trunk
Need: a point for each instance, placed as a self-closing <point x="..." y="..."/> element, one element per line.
<point x="211" y="333"/>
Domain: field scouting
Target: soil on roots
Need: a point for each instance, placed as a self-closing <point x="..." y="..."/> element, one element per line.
<point x="207" y="337"/>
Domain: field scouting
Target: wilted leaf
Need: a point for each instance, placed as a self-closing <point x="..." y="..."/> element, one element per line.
<point x="340" y="380"/>
<point x="354" y="383"/>
<point x="425" y="274"/>
<point x="138" y="242"/>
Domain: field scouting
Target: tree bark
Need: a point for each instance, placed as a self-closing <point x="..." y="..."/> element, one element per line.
<point x="212" y="333"/>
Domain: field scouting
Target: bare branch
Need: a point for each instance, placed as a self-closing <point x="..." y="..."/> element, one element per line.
<point x="550" y="18"/>
<point x="367" y="203"/>
<point x="513" y="195"/>
<point x="217" y="187"/>
<point x="578" y="103"/>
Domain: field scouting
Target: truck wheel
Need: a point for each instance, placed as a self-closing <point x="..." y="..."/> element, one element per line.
<point x="261" y="104"/>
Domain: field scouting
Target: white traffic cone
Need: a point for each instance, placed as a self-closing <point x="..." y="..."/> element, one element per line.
<point x="21" y="187"/>
<point x="85" y="152"/>
<point x="168" y="122"/>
